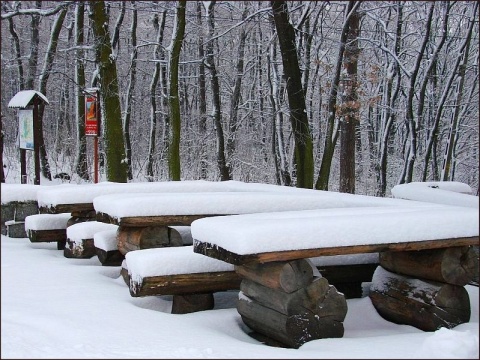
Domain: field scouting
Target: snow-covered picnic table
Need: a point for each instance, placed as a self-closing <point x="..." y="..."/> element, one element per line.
<point x="426" y="257"/>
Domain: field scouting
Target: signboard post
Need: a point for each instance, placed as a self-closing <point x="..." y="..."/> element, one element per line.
<point x="92" y="123"/>
<point x="29" y="128"/>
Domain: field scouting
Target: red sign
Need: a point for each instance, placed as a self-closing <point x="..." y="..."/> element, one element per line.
<point x="91" y="116"/>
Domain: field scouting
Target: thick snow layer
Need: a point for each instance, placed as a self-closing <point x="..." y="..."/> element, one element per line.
<point x="86" y="230"/>
<point x="19" y="192"/>
<point x="218" y="203"/>
<point x="87" y="192"/>
<point x="59" y="308"/>
<point x="47" y="221"/>
<point x="169" y="261"/>
<point x="309" y="229"/>
<point x="441" y="192"/>
<point x="106" y="240"/>
<point x="22" y="98"/>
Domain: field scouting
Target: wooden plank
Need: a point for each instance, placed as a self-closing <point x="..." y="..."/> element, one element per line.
<point x="220" y="253"/>
<point x="66" y="208"/>
<point x="182" y="284"/>
<point x="142" y="221"/>
<point x="47" y="235"/>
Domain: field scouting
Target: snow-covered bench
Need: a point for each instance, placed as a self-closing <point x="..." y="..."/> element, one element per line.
<point x="192" y="278"/>
<point x="150" y="212"/>
<point x="425" y="256"/>
<point x="48" y="228"/>
<point x="80" y="239"/>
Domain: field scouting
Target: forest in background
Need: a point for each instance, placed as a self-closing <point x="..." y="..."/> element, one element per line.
<point x="390" y="90"/>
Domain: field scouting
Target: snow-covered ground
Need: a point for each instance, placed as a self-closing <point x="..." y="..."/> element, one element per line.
<point x="54" y="307"/>
<point x="57" y="307"/>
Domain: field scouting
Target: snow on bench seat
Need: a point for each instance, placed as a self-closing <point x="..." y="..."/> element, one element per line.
<point x="106" y="248"/>
<point x="81" y="196"/>
<point x="191" y="278"/>
<point x="47" y="221"/>
<point x="48" y="228"/>
<point x="183" y="208"/>
<point x="440" y="192"/>
<point x="80" y="238"/>
<point x="311" y="233"/>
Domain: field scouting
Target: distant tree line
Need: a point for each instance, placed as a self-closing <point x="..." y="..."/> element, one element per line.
<point x="351" y="96"/>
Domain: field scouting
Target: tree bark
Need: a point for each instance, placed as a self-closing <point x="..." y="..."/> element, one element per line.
<point x="350" y="107"/>
<point x="296" y="96"/>
<point x="331" y="135"/>
<point x="174" y="101"/>
<point x="217" y="115"/>
<point x="81" y="166"/>
<point x="116" y="167"/>
<point x="130" y="90"/>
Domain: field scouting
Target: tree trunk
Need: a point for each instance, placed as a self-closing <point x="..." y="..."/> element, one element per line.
<point x="447" y="161"/>
<point x="235" y="98"/>
<point x="412" y="124"/>
<point x="202" y="106"/>
<point x="43" y="79"/>
<point x="296" y="96"/>
<point x="34" y="43"/>
<point x="217" y="115"/>
<point x="174" y="101"/>
<point x="153" y="98"/>
<point x="332" y="128"/>
<point x="130" y="90"/>
<point x="350" y="108"/>
<point x="81" y="167"/>
<point x="116" y="167"/>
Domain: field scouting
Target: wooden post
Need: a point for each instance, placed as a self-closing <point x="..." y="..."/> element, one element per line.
<point x="36" y="140"/>
<point x="23" y="166"/>
<point x="95" y="159"/>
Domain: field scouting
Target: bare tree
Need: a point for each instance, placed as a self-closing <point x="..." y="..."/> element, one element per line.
<point x="296" y="96"/>
<point x="116" y="166"/>
<point x="174" y="102"/>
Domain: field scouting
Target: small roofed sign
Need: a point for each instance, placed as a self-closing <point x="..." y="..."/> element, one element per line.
<point x="92" y="120"/>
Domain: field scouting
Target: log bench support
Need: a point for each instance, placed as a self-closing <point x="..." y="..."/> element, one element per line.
<point x="425" y="289"/>
<point x="290" y="303"/>
<point x="146" y="237"/>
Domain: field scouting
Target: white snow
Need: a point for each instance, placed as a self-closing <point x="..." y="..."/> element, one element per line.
<point x="47" y="221"/>
<point x="446" y="192"/>
<point x="309" y="229"/>
<point x="22" y="98"/>
<point x="106" y="240"/>
<point x="57" y="307"/>
<point x="19" y="192"/>
<point x="170" y="261"/>
<point x="86" y="230"/>
<point x="85" y="193"/>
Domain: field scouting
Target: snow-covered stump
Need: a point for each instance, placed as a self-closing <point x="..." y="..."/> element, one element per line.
<point x="290" y="303"/>
<point x="106" y="248"/>
<point x="425" y="304"/>
<point x="80" y="239"/>
<point x="48" y="228"/>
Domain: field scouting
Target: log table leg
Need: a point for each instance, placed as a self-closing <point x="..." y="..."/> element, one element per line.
<point x="136" y="238"/>
<point x="290" y="302"/>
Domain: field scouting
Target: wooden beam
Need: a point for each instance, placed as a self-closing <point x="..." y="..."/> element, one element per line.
<point x="66" y="208"/>
<point x="142" y="221"/>
<point x="220" y="253"/>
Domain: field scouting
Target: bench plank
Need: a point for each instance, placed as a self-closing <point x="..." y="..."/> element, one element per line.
<point x="143" y="221"/>
<point x="220" y="253"/>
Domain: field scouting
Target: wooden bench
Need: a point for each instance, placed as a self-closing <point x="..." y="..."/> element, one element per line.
<point x="80" y="239"/>
<point x="192" y="279"/>
<point x="429" y="247"/>
<point x="48" y="228"/>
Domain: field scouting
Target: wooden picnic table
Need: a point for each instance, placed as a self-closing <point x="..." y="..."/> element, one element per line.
<point x="420" y="281"/>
